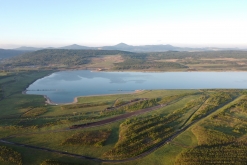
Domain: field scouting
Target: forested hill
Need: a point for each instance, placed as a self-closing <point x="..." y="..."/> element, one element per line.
<point x="61" y="57"/>
<point x="9" y="53"/>
<point x="123" y="60"/>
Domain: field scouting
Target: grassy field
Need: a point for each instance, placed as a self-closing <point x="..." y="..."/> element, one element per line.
<point x="194" y="123"/>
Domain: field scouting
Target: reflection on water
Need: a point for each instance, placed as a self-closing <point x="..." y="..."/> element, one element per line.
<point x="113" y="77"/>
<point x="62" y="87"/>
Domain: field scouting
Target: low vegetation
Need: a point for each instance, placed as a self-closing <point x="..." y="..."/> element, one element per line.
<point x="96" y="138"/>
<point x="9" y="155"/>
<point x="137" y="135"/>
<point x="138" y="64"/>
<point x="55" y="162"/>
<point x="228" y="154"/>
<point x="34" y="112"/>
<point x="212" y="103"/>
<point x="221" y="138"/>
<point x="140" y="105"/>
<point x="76" y="106"/>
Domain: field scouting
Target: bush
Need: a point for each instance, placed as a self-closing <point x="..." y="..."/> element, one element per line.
<point x="9" y="155"/>
<point x="96" y="138"/>
<point x="35" y="112"/>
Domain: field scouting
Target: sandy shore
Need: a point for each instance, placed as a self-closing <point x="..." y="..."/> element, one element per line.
<point x="48" y="101"/>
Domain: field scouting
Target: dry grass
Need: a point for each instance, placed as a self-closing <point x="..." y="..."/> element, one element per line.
<point x="105" y="62"/>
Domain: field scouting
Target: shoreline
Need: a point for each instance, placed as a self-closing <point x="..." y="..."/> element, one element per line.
<point x="75" y="100"/>
<point x="151" y="71"/>
<point x="48" y="100"/>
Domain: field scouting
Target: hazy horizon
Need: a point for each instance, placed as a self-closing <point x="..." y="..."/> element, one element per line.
<point x="176" y="45"/>
<point x="182" y="23"/>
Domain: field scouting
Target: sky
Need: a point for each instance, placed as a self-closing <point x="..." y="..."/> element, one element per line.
<point x="196" y="23"/>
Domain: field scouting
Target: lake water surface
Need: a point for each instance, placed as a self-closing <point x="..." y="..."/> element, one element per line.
<point x="63" y="87"/>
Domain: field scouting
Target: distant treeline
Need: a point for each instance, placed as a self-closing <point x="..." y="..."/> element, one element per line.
<point x="60" y="56"/>
<point x="65" y="57"/>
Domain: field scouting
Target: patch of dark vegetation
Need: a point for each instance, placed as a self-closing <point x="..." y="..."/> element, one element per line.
<point x="210" y="137"/>
<point x="136" y="64"/>
<point x="10" y="156"/>
<point x="56" y="162"/>
<point x="138" y="135"/>
<point x="77" y="106"/>
<point x="34" y="112"/>
<point x="222" y="139"/>
<point x="145" y="103"/>
<point x="96" y="138"/>
<point x="235" y="153"/>
<point x="213" y="102"/>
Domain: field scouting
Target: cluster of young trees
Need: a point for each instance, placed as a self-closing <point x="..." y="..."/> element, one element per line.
<point x="140" y="105"/>
<point x="106" y="113"/>
<point x="242" y="105"/>
<point x="210" y="137"/>
<point x="34" y="112"/>
<point x="168" y="99"/>
<point x="222" y="139"/>
<point x="119" y="102"/>
<point x="212" y="103"/>
<point x="233" y="118"/>
<point x="96" y="138"/>
<point x="139" y="134"/>
<point x="219" y="98"/>
<point x="9" y="155"/>
<point x="85" y="105"/>
<point x="226" y="154"/>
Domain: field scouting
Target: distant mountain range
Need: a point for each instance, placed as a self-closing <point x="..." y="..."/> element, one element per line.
<point x="8" y="53"/>
<point x="125" y="47"/>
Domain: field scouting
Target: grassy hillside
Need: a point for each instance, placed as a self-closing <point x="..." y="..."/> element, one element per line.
<point x="121" y="60"/>
<point x="9" y="53"/>
<point x="60" y="57"/>
<point x="185" y="61"/>
<point x="181" y="126"/>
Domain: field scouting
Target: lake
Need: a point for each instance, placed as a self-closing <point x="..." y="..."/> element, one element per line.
<point x="64" y="86"/>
